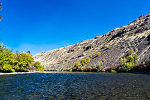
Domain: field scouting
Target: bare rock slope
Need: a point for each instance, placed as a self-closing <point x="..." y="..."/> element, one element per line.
<point x="113" y="45"/>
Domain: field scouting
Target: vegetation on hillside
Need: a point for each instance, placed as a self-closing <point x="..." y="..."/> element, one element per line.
<point x="82" y="65"/>
<point x="127" y="63"/>
<point x="98" y="54"/>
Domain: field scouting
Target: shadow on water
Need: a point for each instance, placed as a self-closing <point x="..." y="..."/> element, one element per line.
<point x="66" y="86"/>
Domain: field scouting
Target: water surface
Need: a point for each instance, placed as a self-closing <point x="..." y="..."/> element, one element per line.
<point x="78" y="86"/>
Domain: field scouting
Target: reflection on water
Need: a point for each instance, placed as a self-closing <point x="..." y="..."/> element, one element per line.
<point x="66" y="86"/>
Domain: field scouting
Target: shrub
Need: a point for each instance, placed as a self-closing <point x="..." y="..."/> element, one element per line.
<point x="111" y="70"/>
<point x="87" y="60"/>
<point x="104" y="60"/>
<point x="99" y="66"/>
<point x="127" y="63"/>
<point x="98" y="54"/>
<point x="76" y="66"/>
<point x="38" y="66"/>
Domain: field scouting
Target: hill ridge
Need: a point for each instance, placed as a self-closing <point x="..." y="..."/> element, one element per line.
<point x="112" y="46"/>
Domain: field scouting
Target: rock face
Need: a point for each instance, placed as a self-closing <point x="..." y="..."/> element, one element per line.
<point x="113" y="45"/>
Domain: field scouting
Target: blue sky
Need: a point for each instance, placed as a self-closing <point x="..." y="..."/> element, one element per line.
<point x="42" y="25"/>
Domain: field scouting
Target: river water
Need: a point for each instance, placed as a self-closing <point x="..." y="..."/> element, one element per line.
<point x="76" y="86"/>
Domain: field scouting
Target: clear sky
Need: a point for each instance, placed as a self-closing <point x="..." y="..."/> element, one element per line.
<point x="42" y="25"/>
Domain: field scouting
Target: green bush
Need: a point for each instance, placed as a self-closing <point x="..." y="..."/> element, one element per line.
<point x="104" y="60"/>
<point x="98" y="54"/>
<point x="76" y="66"/>
<point x="127" y="63"/>
<point x="111" y="70"/>
<point x="87" y="60"/>
<point x="98" y="67"/>
<point x="38" y="66"/>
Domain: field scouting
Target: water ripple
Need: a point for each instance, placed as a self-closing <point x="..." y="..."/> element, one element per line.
<point x="78" y="86"/>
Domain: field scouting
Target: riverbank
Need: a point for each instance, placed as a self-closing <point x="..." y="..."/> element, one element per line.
<point x="94" y="72"/>
<point x="13" y="73"/>
<point x="16" y="73"/>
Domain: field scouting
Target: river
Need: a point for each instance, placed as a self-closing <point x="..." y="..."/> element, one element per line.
<point x="76" y="86"/>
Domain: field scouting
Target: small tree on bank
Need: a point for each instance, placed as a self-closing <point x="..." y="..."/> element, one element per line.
<point x="127" y="63"/>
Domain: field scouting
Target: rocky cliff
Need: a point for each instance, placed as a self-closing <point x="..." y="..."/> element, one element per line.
<point x="113" y="45"/>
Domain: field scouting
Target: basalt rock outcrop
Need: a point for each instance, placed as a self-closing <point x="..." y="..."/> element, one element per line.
<point x="112" y="45"/>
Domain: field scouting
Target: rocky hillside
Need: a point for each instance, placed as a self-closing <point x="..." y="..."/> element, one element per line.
<point x="113" y="45"/>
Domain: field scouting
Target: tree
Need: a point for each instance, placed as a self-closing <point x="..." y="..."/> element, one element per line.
<point x="127" y="63"/>
<point x="24" y="61"/>
<point x="38" y="66"/>
<point x="6" y="58"/>
<point x="10" y="62"/>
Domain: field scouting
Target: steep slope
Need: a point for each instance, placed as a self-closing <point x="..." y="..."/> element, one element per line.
<point x="113" y="45"/>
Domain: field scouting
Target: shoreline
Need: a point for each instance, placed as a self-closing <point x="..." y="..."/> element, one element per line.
<point x="93" y="72"/>
<point x="17" y="73"/>
<point x="14" y="73"/>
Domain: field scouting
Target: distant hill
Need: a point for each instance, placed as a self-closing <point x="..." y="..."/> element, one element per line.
<point x="112" y="46"/>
